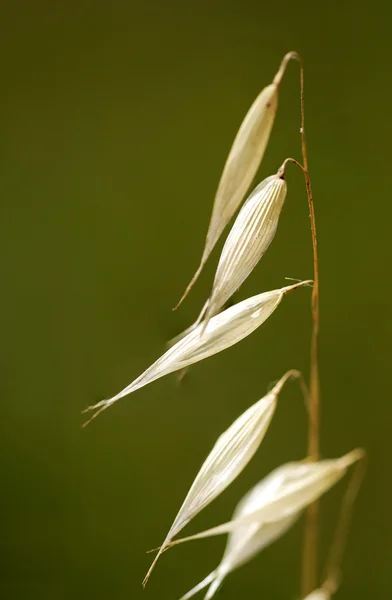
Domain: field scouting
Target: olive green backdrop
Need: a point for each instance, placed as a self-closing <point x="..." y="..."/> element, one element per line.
<point x="115" y="122"/>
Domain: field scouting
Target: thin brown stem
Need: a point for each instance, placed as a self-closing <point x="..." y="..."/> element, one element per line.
<point x="332" y="572"/>
<point x="309" y="564"/>
<point x="295" y="374"/>
<point x="282" y="169"/>
<point x="303" y="386"/>
<point x="304" y="389"/>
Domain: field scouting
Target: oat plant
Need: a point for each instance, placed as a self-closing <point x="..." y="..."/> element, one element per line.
<point x="274" y="504"/>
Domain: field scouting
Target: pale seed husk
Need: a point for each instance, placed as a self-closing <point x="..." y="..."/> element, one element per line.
<point x="242" y="163"/>
<point x="298" y="485"/>
<point x="224" y="330"/>
<point x="247" y="540"/>
<point x="229" y="456"/>
<point x="319" y="594"/>
<point x="248" y="240"/>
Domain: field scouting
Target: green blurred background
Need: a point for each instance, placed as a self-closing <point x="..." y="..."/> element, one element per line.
<point x="115" y="120"/>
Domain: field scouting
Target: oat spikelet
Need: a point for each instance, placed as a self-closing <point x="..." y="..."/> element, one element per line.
<point x="242" y="163"/>
<point x="319" y="594"/>
<point x="298" y="484"/>
<point x="246" y="540"/>
<point x="229" y="456"/>
<point x="223" y="331"/>
<point x="252" y="233"/>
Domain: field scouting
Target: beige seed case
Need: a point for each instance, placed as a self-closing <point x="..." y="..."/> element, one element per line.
<point x="242" y="163"/>
<point x="248" y="240"/>
<point x="224" y="330"/>
<point x="230" y="455"/>
<point x="298" y="484"/>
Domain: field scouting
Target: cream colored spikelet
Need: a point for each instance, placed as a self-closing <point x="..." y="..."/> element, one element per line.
<point x="224" y="330"/>
<point x="319" y="594"/>
<point x="242" y="163"/>
<point x="298" y="484"/>
<point x="247" y="540"/>
<point x="252" y="233"/>
<point x="229" y="456"/>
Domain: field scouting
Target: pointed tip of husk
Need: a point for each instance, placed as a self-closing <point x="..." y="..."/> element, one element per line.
<point x="352" y="457"/>
<point x="290" y="288"/>
<point x="291" y="374"/>
<point x="98" y="408"/>
<point x="153" y="564"/>
<point x="292" y="55"/>
<point x="190" y="285"/>
<point x="160" y="550"/>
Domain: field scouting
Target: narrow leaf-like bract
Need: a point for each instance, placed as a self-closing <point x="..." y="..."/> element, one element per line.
<point x="247" y="540"/>
<point x="242" y="163"/>
<point x="248" y="240"/>
<point x="230" y="455"/>
<point x="298" y="484"/>
<point x="223" y="331"/>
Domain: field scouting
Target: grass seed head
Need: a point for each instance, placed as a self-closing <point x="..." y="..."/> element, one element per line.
<point x="242" y="163"/>
<point x="252" y="233"/>
<point x="247" y="540"/>
<point x="224" y="330"/>
<point x="295" y="485"/>
<point x="229" y="456"/>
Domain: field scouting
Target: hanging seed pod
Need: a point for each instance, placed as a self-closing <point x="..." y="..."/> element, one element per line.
<point x="242" y="163"/>
<point x="249" y="239"/>
<point x="247" y="540"/>
<point x="224" y="330"/>
<point x="298" y="484"/>
<point x="230" y="455"/>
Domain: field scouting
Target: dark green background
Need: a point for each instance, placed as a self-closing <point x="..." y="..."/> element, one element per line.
<point x="115" y="121"/>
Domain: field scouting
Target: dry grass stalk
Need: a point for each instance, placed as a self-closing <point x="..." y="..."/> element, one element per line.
<point x="309" y="561"/>
<point x="333" y="568"/>
<point x="271" y="507"/>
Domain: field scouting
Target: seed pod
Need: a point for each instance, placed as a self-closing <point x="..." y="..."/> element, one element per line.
<point x="247" y="540"/>
<point x="297" y="485"/>
<point x="230" y="455"/>
<point x="223" y="331"/>
<point x="248" y="240"/>
<point x="242" y="163"/>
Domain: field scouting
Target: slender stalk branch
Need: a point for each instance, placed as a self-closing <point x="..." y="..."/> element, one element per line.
<point x="309" y="565"/>
<point x="332" y="574"/>
<point x="309" y="561"/>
